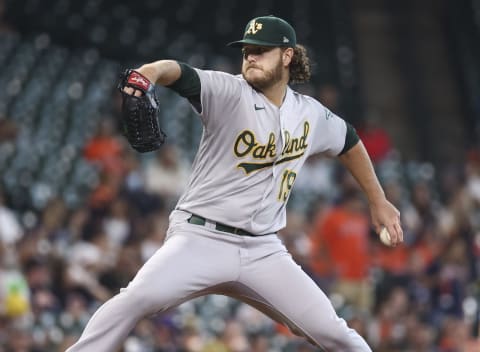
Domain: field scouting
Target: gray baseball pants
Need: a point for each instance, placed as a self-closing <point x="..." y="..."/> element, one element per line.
<point x="197" y="260"/>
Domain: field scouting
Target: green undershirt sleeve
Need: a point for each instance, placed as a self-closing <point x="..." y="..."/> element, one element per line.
<point x="188" y="85"/>
<point x="351" y="138"/>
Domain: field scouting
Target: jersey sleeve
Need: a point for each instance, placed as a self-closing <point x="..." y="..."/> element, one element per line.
<point x="220" y="93"/>
<point x="330" y="133"/>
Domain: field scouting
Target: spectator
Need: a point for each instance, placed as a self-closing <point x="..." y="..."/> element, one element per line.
<point x="39" y="277"/>
<point x="8" y="128"/>
<point x="234" y="337"/>
<point x="455" y="336"/>
<point x="15" y="294"/>
<point x="109" y="187"/>
<point x="105" y="148"/>
<point x="10" y="229"/>
<point x="167" y="174"/>
<point x="388" y="330"/>
<point x="340" y="249"/>
<point x="259" y="343"/>
<point x="451" y="281"/>
<point x="117" y="222"/>
<point x="421" y="336"/>
<point x="75" y="315"/>
<point x="88" y="260"/>
<point x="20" y="339"/>
<point x="375" y="138"/>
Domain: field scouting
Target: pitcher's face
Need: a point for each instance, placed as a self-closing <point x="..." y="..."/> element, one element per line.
<point x="262" y="66"/>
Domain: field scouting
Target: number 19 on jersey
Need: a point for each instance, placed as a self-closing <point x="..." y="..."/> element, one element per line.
<point x="288" y="178"/>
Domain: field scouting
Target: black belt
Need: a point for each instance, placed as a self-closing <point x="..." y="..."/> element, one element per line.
<point x="198" y="220"/>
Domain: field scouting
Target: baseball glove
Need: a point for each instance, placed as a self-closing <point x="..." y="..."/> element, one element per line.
<point x="139" y="114"/>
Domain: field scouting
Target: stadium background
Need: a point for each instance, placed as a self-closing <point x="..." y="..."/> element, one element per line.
<point x="80" y="211"/>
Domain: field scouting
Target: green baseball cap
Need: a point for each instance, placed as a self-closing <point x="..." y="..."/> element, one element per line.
<point x="267" y="31"/>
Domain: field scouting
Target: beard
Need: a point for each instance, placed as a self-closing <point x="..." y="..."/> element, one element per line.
<point x="269" y="78"/>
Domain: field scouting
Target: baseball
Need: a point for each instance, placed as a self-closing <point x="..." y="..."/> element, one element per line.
<point x="385" y="237"/>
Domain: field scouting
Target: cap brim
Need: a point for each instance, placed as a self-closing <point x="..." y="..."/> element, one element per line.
<point x="240" y="43"/>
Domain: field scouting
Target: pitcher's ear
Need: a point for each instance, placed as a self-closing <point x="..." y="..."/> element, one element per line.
<point x="287" y="56"/>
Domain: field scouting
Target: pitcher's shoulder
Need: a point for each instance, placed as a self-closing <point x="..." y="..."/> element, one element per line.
<point x="307" y="99"/>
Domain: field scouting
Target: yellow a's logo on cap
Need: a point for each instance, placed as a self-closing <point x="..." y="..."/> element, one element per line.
<point x="254" y="27"/>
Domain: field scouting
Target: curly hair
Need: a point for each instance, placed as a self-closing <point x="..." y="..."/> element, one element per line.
<point x="300" y="65"/>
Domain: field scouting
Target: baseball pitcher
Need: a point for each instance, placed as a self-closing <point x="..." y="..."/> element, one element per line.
<point x="222" y="236"/>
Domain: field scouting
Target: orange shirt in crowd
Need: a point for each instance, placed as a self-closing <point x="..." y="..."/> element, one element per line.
<point x="340" y="244"/>
<point x="107" y="152"/>
<point x="399" y="260"/>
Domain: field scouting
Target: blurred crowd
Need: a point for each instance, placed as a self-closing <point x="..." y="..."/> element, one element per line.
<point x="60" y="263"/>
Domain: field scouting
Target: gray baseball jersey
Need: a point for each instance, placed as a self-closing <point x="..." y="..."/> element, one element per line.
<point x="251" y="152"/>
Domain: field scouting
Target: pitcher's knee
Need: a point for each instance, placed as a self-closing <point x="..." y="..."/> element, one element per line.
<point x="137" y="301"/>
<point x="330" y="336"/>
<point x="337" y="336"/>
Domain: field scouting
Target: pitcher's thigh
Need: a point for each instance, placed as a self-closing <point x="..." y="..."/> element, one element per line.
<point x="290" y="292"/>
<point x="184" y="266"/>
